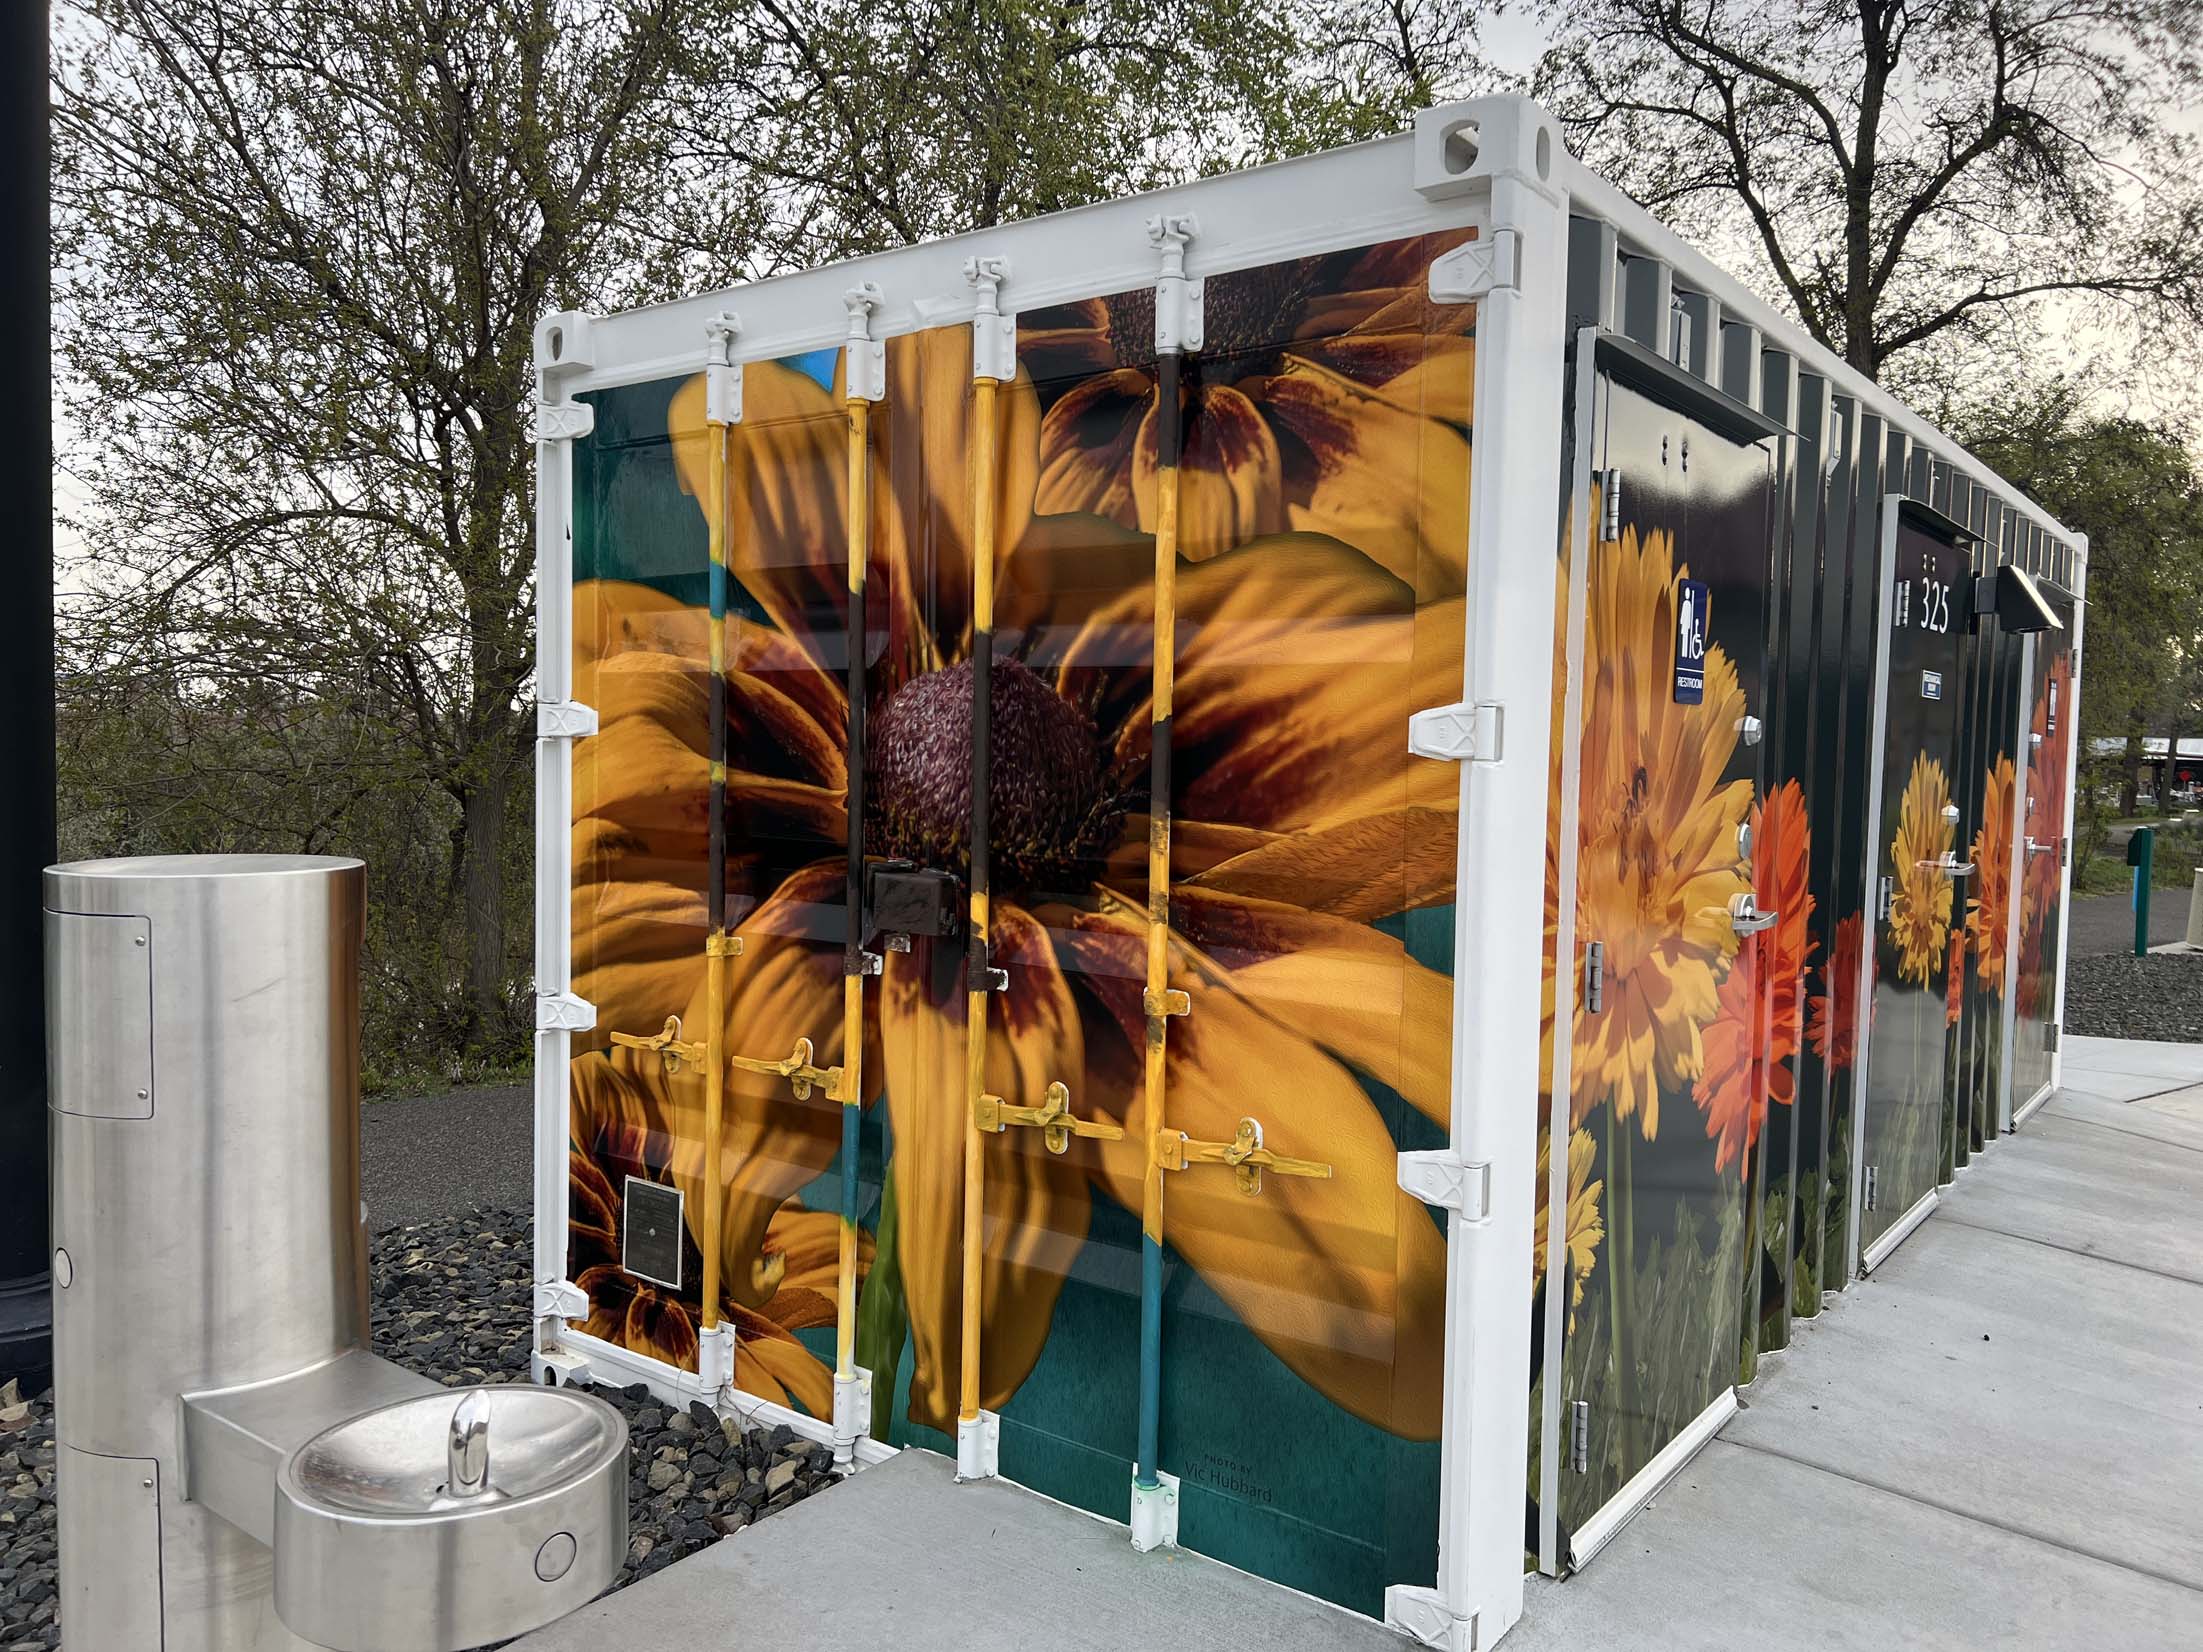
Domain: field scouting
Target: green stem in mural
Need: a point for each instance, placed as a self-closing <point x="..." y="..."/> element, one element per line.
<point x="1621" y="1285"/>
<point x="883" y="1314"/>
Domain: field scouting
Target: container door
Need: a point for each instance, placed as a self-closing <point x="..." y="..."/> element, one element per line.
<point x="1915" y="873"/>
<point x="2043" y="848"/>
<point x="1671" y="1059"/>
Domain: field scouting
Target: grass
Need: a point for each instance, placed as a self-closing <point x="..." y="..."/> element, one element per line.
<point x="415" y="1079"/>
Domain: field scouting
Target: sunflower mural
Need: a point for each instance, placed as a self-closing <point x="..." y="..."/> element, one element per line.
<point x="1582" y="1227"/>
<point x="1988" y="907"/>
<point x="1319" y="604"/>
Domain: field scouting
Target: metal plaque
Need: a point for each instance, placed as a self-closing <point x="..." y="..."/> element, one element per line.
<point x="1931" y="685"/>
<point x="650" y="1232"/>
<point x="1693" y="621"/>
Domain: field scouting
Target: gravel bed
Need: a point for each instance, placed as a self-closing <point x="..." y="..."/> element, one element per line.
<point x="450" y="1299"/>
<point x="2159" y="996"/>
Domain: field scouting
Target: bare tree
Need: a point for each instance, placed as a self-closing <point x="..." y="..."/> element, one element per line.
<point x="300" y="250"/>
<point x="1909" y="170"/>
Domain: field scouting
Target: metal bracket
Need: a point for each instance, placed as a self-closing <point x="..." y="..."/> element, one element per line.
<point x="978" y="1447"/>
<point x="562" y="421"/>
<point x="1444" y="1180"/>
<point x="1175" y="1150"/>
<point x="558" y="1368"/>
<point x="722" y="373"/>
<point x="1459" y="733"/>
<point x="715" y="1357"/>
<point x="1155" y="1514"/>
<point x="560" y="1299"/>
<point x="864" y="358"/>
<point x="1424" y="1616"/>
<point x="1170" y="1001"/>
<point x="565" y="342"/>
<point x="722" y="946"/>
<point x="1178" y="300"/>
<point x="1489" y="264"/>
<point x="2051" y="1032"/>
<point x="1052" y="1118"/>
<point x="993" y="334"/>
<point x="563" y="1012"/>
<point x="564" y="720"/>
<point x="871" y="963"/>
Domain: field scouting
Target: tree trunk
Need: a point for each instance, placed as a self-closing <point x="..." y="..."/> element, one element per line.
<point x="483" y="810"/>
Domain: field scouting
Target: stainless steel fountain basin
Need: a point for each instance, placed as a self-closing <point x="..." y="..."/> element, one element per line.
<point x="450" y="1518"/>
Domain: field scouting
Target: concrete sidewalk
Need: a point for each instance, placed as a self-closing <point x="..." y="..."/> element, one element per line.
<point x="1995" y="1442"/>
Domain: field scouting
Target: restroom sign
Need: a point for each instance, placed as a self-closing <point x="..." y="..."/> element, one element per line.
<point x="1693" y="605"/>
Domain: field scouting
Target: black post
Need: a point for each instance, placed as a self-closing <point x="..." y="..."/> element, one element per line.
<point x="27" y="731"/>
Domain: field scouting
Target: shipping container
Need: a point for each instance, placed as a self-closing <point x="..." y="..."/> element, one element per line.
<point x="1418" y="604"/>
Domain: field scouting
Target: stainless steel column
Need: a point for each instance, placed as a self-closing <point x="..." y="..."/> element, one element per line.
<point x="202" y="1021"/>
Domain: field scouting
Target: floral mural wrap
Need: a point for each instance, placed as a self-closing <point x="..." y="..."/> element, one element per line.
<point x="1988" y="907"/>
<point x="1582" y="1226"/>
<point x="1832" y="1014"/>
<point x="1319" y="603"/>
<point x="1658" y="863"/>
<point x="1920" y="903"/>
<point x="1752" y="1044"/>
<point x="2042" y="880"/>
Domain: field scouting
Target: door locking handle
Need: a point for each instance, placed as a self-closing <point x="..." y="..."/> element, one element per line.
<point x="1746" y="918"/>
<point x="1949" y="866"/>
<point x="2037" y="848"/>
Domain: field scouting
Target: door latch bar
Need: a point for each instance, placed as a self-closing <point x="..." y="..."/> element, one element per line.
<point x="1052" y="1118"/>
<point x="1175" y="1150"/>
<point x="797" y="1068"/>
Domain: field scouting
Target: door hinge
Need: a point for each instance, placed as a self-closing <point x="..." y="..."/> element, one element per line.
<point x="864" y="358"/>
<point x="1444" y="1180"/>
<point x="1871" y="1199"/>
<point x="2050" y="1036"/>
<point x="1594" y="976"/>
<point x="2065" y="851"/>
<point x="563" y="1012"/>
<point x="1489" y="264"/>
<point x="715" y="1356"/>
<point x="1579" y="1436"/>
<point x="1610" y="506"/>
<point x="1459" y="733"/>
<point x="564" y="720"/>
<point x="1889" y="891"/>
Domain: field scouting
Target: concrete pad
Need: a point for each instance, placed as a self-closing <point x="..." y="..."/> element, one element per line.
<point x="2079" y="1420"/>
<point x="1749" y="1551"/>
<point x="2096" y="1188"/>
<point x="902" y="1557"/>
<point x="2182" y="1063"/>
<point x="2173" y="1120"/>
<point x="2117" y="1087"/>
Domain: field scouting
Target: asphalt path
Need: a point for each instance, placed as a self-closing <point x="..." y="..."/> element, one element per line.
<point x="427" y="1157"/>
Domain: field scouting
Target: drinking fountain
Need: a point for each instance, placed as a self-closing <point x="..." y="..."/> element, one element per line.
<point x="237" y="1473"/>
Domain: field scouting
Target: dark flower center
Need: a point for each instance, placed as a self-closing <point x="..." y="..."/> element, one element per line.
<point x="1053" y="804"/>
<point x="1248" y="316"/>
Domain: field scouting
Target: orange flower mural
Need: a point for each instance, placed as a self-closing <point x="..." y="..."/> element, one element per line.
<point x="1330" y="396"/>
<point x="1920" y="906"/>
<point x="616" y="1132"/>
<point x="1739" y="1079"/>
<point x="1988" y="908"/>
<point x="1299" y="656"/>
<point x="1659" y="861"/>
<point x="1954" y="979"/>
<point x="1832" y="1014"/>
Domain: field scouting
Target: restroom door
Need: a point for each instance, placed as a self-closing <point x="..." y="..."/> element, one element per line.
<point x="1915" y="875"/>
<point x="1669" y="1057"/>
<point x="2038" y="901"/>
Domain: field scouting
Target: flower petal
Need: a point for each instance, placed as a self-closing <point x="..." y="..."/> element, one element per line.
<point x="1086" y="443"/>
<point x="1035" y="1204"/>
<point x="786" y="475"/>
<point x="1230" y="474"/>
<point x="1349" y="989"/>
<point x="1358" y="869"/>
<point x="1390" y="480"/>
